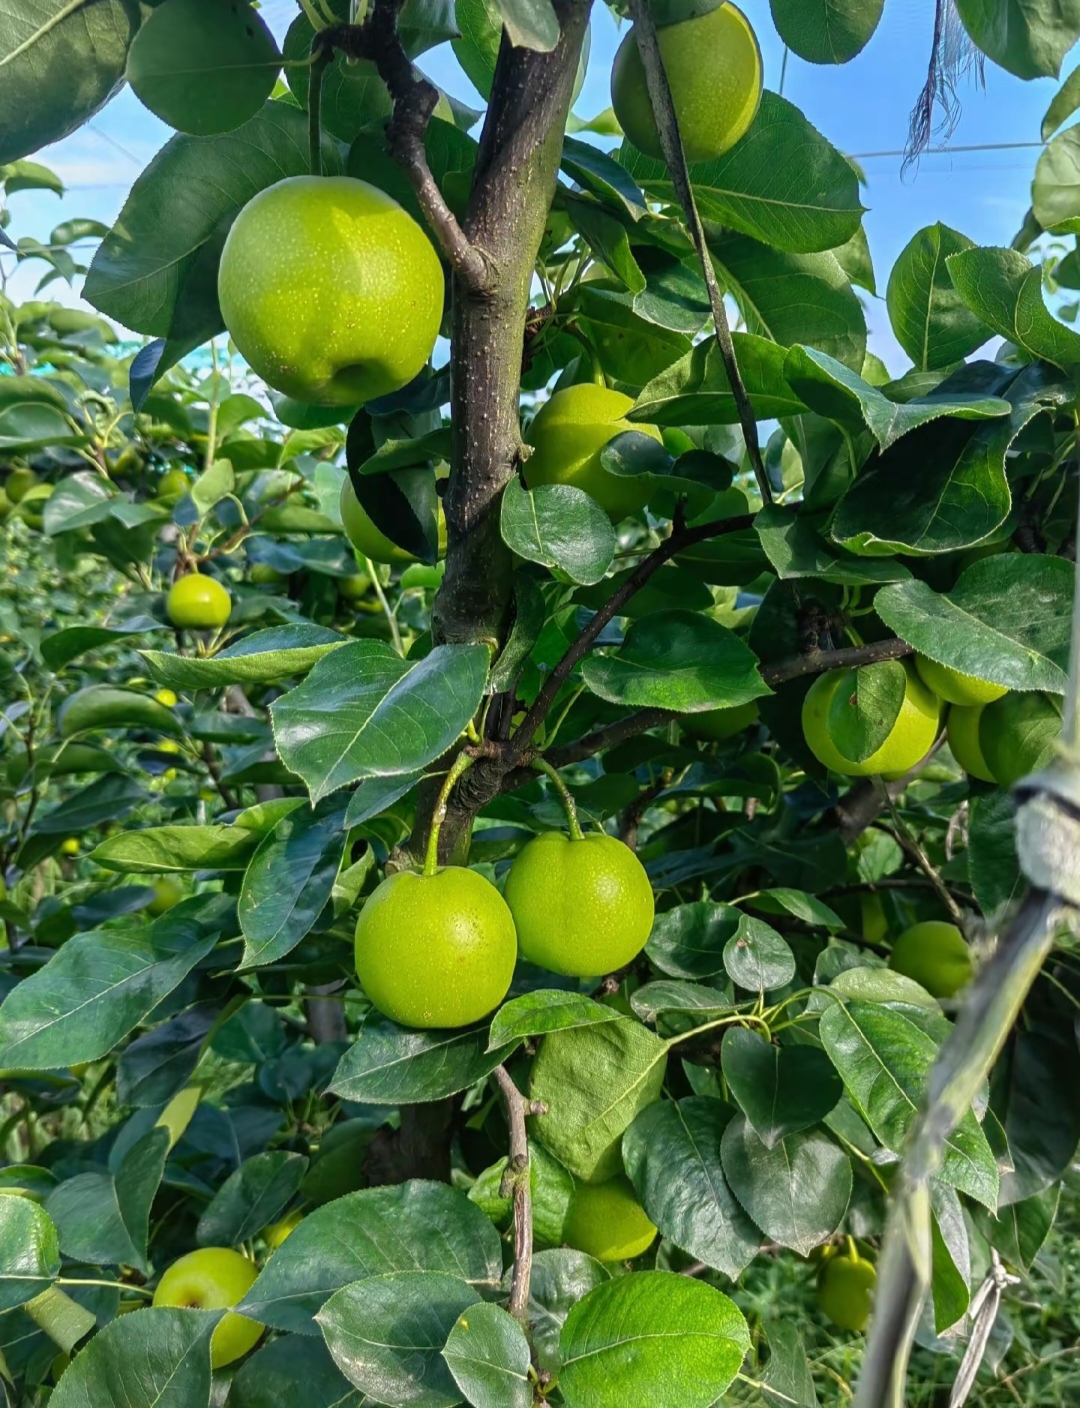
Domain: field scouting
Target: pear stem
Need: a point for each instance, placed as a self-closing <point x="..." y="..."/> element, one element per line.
<point x="461" y="765"/>
<point x="322" y="53"/>
<point x="569" y="805"/>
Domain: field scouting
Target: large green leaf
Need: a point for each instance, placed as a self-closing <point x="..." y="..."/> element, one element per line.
<point x="61" y="647"/>
<point x="651" y="1337"/>
<point x="688" y="941"/>
<point x="561" y="1277"/>
<point x="757" y="957"/>
<point x="931" y="321"/>
<point x="797" y="1192"/>
<point x="559" y="526"/>
<point x="392" y="1065"/>
<point x="796" y="548"/>
<point x="1004" y="289"/>
<point x="156" y="1358"/>
<point x="696" y="390"/>
<point x="59" y="63"/>
<point x="386" y="1334"/>
<point x="780" y="1089"/>
<point x="790" y="298"/>
<point x="203" y="67"/>
<point x="353" y="98"/>
<point x="672" y="1154"/>
<point x="412" y="1226"/>
<point x="594" y="1080"/>
<point x="1028" y="37"/>
<point x="546" y="1010"/>
<point x="677" y="660"/>
<point x="885" y="1060"/>
<point x="943" y="487"/>
<point x="160" y="849"/>
<point x="29" y="1251"/>
<point x="631" y="348"/>
<point x="488" y="1355"/>
<point x="156" y="1066"/>
<point x="290" y="879"/>
<point x="290" y="1370"/>
<point x="99" y="986"/>
<point x="250" y="1198"/>
<point x="826" y="31"/>
<point x="783" y="184"/>
<point x="156" y="270"/>
<point x="363" y="711"/>
<point x="1006" y="620"/>
<point x="834" y="391"/>
<point x="261" y="658"/>
<point x="105" y="1217"/>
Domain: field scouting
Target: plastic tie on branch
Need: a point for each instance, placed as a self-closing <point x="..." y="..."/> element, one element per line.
<point x="1048" y="828"/>
<point x="983" y="1312"/>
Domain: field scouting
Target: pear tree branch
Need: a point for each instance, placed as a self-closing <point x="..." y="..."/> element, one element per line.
<point x="667" y="126"/>
<point x="515" y="1184"/>
<point x="377" y="40"/>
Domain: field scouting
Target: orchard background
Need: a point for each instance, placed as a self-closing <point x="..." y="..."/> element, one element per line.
<point x="505" y="904"/>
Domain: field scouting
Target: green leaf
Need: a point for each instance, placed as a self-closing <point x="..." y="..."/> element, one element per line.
<point x="289" y="1370"/>
<point x="826" y="31"/>
<point x="78" y="501"/>
<point x="672" y="1155"/>
<point x="594" y="1081"/>
<point x="529" y="615"/>
<point x="596" y="171"/>
<point x="261" y="658"/>
<point x="1062" y="106"/>
<point x="651" y="1337"/>
<point x="950" y="1257"/>
<point x="836" y="392"/>
<point x="155" y="1358"/>
<point x="415" y="1226"/>
<point x="59" y="63"/>
<point x="158" y="850"/>
<point x="62" y="647"/>
<point x="783" y="184"/>
<point x="676" y="660"/>
<point x="488" y="1355"/>
<point x="289" y="880"/>
<point x="797" y="1192"/>
<point x="29" y="1251"/>
<point x="363" y="711"/>
<point x="354" y="97"/>
<point x="865" y="708"/>
<point x="609" y="240"/>
<point x="530" y="24"/>
<point x="943" y="487"/>
<point x="560" y="527"/>
<point x="392" y="1065"/>
<point x="99" y="986"/>
<point x="688" y="941"/>
<point x="552" y="1188"/>
<point x="1004" y="289"/>
<point x="250" y="1198"/>
<point x="546" y="1010"/>
<point x="695" y="390"/>
<point x="476" y="47"/>
<point x="64" y="1320"/>
<point x="793" y="298"/>
<point x="105" y="1217"/>
<point x="796" y="549"/>
<point x="993" y="864"/>
<point x="757" y="957"/>
<point x="1055" y="192"/>
<point x="156" y="270"/>
<point x="107" y="798"/>
<point x="203" y="67"/>
<point x="677" y="1007"/>
<point x="632" y="349"/>
<point x="156" y="1066"/>
<point x="1006" y="620"/>
<point x="931" y="321"/>
<point x="386" y="1334"/>
<point x="561" y="1277"/>
<point x="789" y="1379"/>
<point x="1029" y="40"/>
<point x="885" y="1060"/>
<point x="780" y="1089"/>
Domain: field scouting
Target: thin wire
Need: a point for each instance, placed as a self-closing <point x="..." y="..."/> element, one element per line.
<point x="938" y="151"/>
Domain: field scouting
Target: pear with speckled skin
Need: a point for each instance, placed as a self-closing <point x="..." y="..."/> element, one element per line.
<point x="330" y="290"/>
<point x="582" y="905"/>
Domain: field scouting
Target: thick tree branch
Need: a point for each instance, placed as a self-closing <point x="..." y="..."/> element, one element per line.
<point x="667" y="125"/>
<point x="680" y="539"/>
<point x="414" y="101"/>
<point x="515" y="1183"/>
<point x="846" y="658"/>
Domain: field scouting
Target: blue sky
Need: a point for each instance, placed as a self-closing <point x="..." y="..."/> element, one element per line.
<point x="862" y="108"/>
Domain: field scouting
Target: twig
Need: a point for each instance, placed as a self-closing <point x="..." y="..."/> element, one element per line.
<point x="908" y="842"/>
<point x="667" y="126"/>
<point x="516" y="1184"/>
<point x="847" y="657"/>
<point x="214" y="769"/>
<point x="679" y="540"/>
<point x="414" y="102"/>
